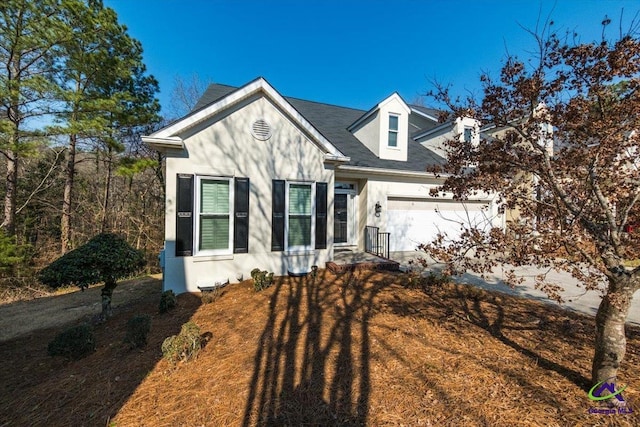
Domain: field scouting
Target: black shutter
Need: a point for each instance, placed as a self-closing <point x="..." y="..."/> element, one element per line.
<point x="321" y="215"/>
<point x="278" y="210"/>
<point x="241" y="221"/>
<point x="184" y="215"/>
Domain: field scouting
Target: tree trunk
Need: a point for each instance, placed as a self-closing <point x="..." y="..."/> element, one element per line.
<point x="107" y="293"/>
<point x="14" y="116"/>
<point x="106" y="195"/>
<point x="611" y="342"/>
<point x="9" y="224"/>
<point x="65" y="222"/>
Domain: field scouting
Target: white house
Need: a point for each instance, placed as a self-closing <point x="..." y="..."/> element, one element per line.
<point x="256" y="179"/>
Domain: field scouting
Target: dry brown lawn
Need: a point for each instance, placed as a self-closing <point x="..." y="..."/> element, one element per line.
<point x="357" y="349"/>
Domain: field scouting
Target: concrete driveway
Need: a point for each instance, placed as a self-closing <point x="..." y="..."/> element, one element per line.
<point x="576" y="298"/>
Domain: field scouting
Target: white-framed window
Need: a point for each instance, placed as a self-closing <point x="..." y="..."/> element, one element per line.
<point x="468" y="134"/>
<point x="393" y="130"/>
<point x="300" y="225"/>
<point x="214" y="210"/>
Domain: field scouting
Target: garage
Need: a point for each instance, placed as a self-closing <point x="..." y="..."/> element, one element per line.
<point x="412" y="221"/>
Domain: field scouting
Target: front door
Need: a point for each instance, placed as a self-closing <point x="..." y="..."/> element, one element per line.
<point x="344" y="227"/>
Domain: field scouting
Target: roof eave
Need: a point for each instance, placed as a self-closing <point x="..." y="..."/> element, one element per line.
<point x="433" y="130"/>
<point x="162" y="144"/>
<point x="423" y="114"/>
<point x="331" y="158"/>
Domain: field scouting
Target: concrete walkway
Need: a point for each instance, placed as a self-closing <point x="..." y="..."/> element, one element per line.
<point x="575" y="297"/>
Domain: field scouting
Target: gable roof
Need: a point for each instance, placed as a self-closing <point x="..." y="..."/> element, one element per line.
<point x="168" y="137"/>
<point x="333" y="122"/>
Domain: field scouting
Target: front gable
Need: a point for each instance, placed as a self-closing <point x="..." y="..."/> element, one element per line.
<point x="254" y="137"/>
<point x="172" y="136"/>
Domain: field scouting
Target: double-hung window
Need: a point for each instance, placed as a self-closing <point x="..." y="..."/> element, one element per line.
<point x="214" y="223"/>
<point x="299" y="216"/>
<point x="212" y="215"/>
<point x="393" y="130"/>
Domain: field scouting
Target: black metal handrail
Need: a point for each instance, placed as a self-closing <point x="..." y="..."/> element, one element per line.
<point x="375" y="242"/>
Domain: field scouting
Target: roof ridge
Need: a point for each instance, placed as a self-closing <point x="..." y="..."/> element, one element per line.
<point x="323" y="103"/>
<point x="295" y="98"/>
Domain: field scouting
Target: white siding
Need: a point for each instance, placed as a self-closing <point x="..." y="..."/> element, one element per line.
<point x="224" y="146"/>
<point x="412" y="194"/>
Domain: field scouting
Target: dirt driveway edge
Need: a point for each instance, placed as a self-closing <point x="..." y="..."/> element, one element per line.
<point x="22" y="317"/>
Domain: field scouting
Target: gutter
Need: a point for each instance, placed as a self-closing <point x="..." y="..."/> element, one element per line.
<point x="390" y="172"/>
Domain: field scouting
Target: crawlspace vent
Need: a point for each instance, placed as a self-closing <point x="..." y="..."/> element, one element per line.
<point x="261" y="130"/>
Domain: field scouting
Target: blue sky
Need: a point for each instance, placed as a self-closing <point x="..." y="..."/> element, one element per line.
<point x="347" y="52"/>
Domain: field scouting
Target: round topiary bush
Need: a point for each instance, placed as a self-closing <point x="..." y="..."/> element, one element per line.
<point x="105" y="258"/>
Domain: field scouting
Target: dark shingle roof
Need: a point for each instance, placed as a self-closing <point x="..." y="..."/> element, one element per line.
<point x="332" y="122"/>
<point x="426" y="110"/>
<point x="213" y="93"/>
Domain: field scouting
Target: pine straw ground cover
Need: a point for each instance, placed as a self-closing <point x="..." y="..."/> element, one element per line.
<point x="356" y="349"/>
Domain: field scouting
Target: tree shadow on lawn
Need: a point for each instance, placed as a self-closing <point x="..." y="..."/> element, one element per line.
<point x="487" y="311"/>
<point x="315" y="340"/>
<point x="314" y="357"/>
<point x="41" y="390"/>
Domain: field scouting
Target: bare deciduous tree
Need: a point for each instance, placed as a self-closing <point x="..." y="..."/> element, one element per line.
<point x="185" y="94"/>
<point x="560" y="148"/>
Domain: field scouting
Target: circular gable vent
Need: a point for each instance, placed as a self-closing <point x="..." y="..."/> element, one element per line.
<point x="261" y="130"/>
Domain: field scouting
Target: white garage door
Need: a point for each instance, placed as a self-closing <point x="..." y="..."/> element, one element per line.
<point x="412" y="221"/>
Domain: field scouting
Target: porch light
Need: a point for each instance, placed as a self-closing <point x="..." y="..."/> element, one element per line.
<point x="378" y="209"/>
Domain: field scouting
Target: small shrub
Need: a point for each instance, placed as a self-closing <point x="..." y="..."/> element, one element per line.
<point x="168" y="301"/>
<point x="416" y="280"/>
<point x="436" y="279"/>
<point x="261" y="279"/>
<point x="138" y="328"/>
<point x="183" y="346"/>
<point x="73" y="343"/>
<point x="210" y="296"/>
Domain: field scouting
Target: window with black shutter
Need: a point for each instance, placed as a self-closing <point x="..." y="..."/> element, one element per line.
<point x="321" y="215"/>
<point x="278" y="215"/>
<point x="241" y="209"/>
<point x="299" y="216"/>
<point x="212" y="215"/>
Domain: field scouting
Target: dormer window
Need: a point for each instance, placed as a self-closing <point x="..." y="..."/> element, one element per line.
<point x="384" y="129"/>
<point x="468" y="134"/>
<point x="393" y="130"/>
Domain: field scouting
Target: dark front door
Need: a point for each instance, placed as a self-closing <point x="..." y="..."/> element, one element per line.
<point x="340" y="220"/>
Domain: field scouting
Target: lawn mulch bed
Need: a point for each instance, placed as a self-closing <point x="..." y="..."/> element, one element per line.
<point x="361" y="348"/>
